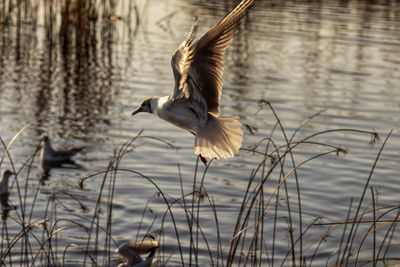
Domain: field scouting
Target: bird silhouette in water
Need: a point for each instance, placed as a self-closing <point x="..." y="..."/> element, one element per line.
<point x="4" y="191"/>
<point x="51" y="157"/>
<point x="194" y="103"/>
<point x="132" y="253"/>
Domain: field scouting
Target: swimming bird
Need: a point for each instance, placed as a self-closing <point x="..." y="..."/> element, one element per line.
<point x="194" y="103"/>
<point x="50" y="156"/>
<point x="132" y="253"/>
<point x="4" y="176"/>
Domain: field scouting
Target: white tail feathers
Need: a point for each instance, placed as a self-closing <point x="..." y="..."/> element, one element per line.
<point x="219" y="138"/>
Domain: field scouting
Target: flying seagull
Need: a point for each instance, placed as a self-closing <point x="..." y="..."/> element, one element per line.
<point x="194" y="103"/>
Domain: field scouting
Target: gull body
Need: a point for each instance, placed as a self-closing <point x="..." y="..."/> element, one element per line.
<point x="50" y="156"/>
<point x="132" y="253"/>
<point x="194" y="103"/>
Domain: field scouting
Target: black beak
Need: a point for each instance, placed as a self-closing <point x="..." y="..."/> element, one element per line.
<point x="140" y="109"/>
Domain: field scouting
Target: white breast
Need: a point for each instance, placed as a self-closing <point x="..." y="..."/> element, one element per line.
<point x="182" y="113"/>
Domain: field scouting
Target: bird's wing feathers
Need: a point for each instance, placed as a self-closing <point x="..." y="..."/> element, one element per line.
<point x="182" y="59"/>
<point x="198" y="66"/>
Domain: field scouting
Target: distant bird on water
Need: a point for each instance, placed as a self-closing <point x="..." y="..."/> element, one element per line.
<point x="4" y="192"/>
<point x="50" y="156"/>
<point x="132" y="253"/>
<point x="194" y="103"/>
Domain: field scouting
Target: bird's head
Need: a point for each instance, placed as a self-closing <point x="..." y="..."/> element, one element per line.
<point x="7" y="174"/>
<point x="44" y="139"/>
<point x="145" y="106"/>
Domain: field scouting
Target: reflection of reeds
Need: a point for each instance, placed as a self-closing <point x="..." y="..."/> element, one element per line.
<point x="38" y="234"/>
<point x="69" y="44"/>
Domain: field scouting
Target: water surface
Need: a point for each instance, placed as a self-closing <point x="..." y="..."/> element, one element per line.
<point x="78" y="76"/>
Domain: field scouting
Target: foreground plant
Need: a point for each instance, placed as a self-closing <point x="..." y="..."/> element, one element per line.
<point x="269" y="209"/>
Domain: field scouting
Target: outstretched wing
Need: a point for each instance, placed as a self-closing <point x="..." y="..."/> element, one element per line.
<point x="198" y="66"/>
<point x="182" y="59"/>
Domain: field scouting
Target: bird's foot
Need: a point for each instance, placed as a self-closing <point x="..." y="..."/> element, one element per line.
<point x="203" y="159"/>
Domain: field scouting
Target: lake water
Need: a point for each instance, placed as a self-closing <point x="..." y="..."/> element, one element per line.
<point x="79" y="75"/>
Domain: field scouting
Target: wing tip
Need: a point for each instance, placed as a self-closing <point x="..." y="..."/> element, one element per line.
<point x="193" y="31"/>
